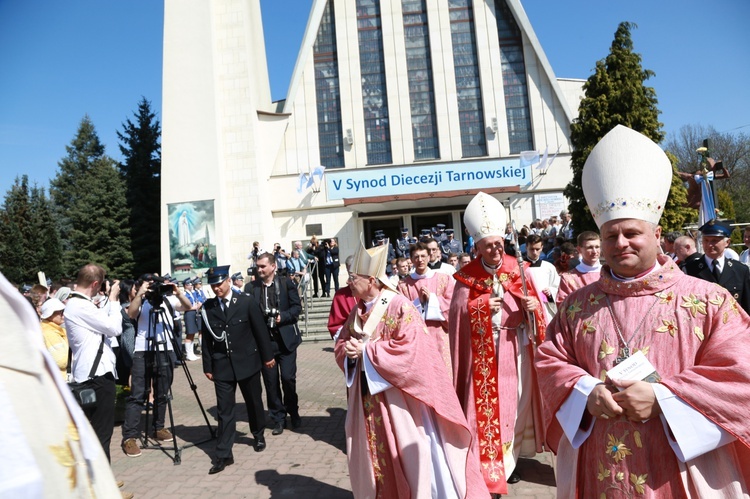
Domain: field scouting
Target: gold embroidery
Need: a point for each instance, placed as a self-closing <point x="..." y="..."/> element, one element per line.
<point x="594" y="299"/>
<point x="667" y="327"/>
<point x="699" y="333"/>
<point x="638" y="481"/>
<point x="617" y="447"/>
<point x="644" y="350"/>
<point x="637" y="438"/>
<point x="605" y="349"/>
<point x="64" y="456"/>
<point x="718" y="301"/>
<point x="503" y="277"/>
<point x="573" y="309"/>
<point x="603" y="472"/>
<point x="587" y="327"/>
<point x="694" y="305"/>
<point x="665" y="297"/>
<point x="377" y="450"/>
<point x="620" y="476"/>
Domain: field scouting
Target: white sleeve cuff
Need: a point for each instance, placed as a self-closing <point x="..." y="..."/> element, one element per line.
<point x="349" y="372"/>
<point x="375" y="382"/>
<point x="433" y="309"/>
<point x="571" y="411"/>
<point x="690" y="433"/>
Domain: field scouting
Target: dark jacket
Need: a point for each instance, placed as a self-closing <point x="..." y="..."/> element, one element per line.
<point x="289" y="305"/>
<point x="247" y="338"/>
<point x="735" y="278"/>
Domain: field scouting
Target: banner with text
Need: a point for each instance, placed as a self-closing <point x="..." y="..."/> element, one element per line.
<point x="370" y="182"/>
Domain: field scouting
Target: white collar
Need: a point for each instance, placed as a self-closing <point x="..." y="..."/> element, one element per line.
<point x="427" y="275"/>
<point x="616" y="277"/>
<point x="710" y="261"/>
<point x="490" y="269"/>
<point x="585" y="269"/>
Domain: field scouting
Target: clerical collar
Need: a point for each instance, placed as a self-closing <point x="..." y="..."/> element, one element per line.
<point x="585" y="269"/>
<point x="369" y="304"/>
<point x="535" y="263"/>
<point x="435" y="265"/>
<point x="427" y="275"/>
<point x="490" y="269"/>
<point x="616" y="277"/>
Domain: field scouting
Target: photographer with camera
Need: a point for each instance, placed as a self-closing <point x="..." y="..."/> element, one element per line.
<point x="281" y="306"/>
<point x="154" y="302"/>
<point x="90" y="330"/>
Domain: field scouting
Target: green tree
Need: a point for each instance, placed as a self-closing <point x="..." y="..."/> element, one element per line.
<point x="15" y="232"/>
<point x="676" y="213"/>
<point x="89" y="198"/>
<point x="725" y="205"/>
<point x="141" y="170"/>
<point x="29" y="241"/>
<point x="614" y="95"/>
<point x="47" y="247"/>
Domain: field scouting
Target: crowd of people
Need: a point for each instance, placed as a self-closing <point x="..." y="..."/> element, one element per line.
<point x="459" y="361"/>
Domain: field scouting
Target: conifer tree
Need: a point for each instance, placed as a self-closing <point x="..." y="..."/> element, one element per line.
<point x="46" y="246"/>
<point x="141" y="148"/>
<point x="15" y="232"/>
<point x="676" y="212"/>
<point x="614" y="95"/>
<point x="89" y="197"/>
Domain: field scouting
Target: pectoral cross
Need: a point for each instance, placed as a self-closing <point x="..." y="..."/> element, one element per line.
<point x="624" y="354"/>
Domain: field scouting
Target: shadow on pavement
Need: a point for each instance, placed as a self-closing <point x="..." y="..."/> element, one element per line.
<point x="289" y="485"/>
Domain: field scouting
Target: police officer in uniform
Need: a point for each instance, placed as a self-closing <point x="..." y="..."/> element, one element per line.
<point x="449" y="245"/>
<point x="236" y="346"/>
<point x="402" y="244"/>
<point x="713" y="266"/>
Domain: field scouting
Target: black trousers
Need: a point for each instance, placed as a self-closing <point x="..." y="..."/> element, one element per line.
<point x="324" y="275"/>
<point x="285" y="371"/>
<point x="102" y="415"/>
<point x="225" y="401"/>
<point x="148" y="368"/>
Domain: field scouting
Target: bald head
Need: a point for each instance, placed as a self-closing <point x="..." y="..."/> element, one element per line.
<point x="684" y="246"/>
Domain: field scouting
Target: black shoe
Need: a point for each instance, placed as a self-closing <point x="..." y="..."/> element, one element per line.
<point x="514" y="478"/>
<point x="296" y="422"/>
<point x="260" y="444"/>
<point x="278" y="428"/>
<point x="220" y="464"/>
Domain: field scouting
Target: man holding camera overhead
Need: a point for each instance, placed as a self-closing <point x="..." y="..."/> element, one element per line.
<point x="281" y="306"/>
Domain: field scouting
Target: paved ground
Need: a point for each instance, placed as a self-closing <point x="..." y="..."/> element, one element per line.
<point x="308" y="463"/>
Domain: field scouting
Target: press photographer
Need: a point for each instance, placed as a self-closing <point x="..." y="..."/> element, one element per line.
<point x="278" y="299"/>
<point x="90" y="329"/>
<point x="153" y="305"/>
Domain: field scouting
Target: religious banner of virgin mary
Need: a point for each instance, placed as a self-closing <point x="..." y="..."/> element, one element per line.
<point x="191" y="237"/>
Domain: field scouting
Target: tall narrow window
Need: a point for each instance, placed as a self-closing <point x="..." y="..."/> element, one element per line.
<point x="514" y="80"/>
<point x="374" y="93"/>
<point x="330" y="136"/>
<point x="465" y="60"/>
<point x="421" y="87"/>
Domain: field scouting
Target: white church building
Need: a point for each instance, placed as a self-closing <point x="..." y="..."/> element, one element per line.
<point x="397" y="114"/>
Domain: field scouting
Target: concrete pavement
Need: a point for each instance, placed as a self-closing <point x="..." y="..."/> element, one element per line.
<point x="306" y="463"/>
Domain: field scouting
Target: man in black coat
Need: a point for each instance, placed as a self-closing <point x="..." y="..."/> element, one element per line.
<point x="281" y="306"/>
<point x="235" y="348"/>
<point x="714" y="267"/>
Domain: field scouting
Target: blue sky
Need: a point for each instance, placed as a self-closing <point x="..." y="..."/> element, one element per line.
<point x="62" y="60"/>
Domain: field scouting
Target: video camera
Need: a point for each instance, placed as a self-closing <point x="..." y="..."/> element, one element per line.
<point x="158" y="288"/>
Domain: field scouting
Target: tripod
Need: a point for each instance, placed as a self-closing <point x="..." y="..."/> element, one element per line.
<point x="158" y="365"/>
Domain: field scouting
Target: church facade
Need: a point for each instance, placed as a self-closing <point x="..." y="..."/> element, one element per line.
<point x="397" y="114"/>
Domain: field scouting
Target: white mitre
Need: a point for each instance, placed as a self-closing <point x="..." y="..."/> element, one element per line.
<point x="484" y="217"/>
<point x="626" y="176"/>
<point x="372" y="262"/>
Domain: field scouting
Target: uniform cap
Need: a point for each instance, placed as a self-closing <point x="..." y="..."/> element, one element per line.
<point x="716" y="228"/>
<point x="217" y="275"/>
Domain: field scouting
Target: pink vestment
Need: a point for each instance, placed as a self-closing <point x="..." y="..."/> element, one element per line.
<point x="396" y="437"/>
<point x="341" y="306"/>
<point x="441" y="286"/>
<point x="499" y="392"/>
<point x="697" y="339"/>
<point x="572" y="280"/>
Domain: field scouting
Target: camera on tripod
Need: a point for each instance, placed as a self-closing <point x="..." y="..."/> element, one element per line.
<point x="157" y="290"/>
<point x="270" y="314"/>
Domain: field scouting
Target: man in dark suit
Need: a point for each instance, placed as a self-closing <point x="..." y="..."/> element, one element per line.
<point x="278" y="299"/>
<point x="714" y="267"/>
<point x="235" y="347"/>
